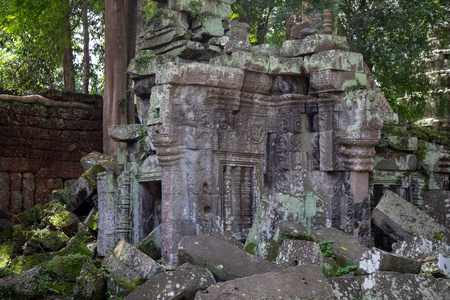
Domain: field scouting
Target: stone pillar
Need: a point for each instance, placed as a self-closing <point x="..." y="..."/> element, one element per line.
<point x="107" y="210"/>
<point x="358" y="213"/>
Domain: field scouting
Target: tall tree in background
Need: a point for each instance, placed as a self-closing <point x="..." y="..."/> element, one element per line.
<point x="120" y="44"/>
<point x="37" y="42"/>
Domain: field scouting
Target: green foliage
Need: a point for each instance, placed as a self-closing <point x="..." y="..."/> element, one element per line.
<point x="33" y="35"/>
<point x="150" y="9"/>
<point x="326" y="249"/>
<point x="196" y="8"/>
<point x="349" y="269"/>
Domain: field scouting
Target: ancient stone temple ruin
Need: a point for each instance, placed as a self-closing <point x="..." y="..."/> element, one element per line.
<point x="236" y="138"/>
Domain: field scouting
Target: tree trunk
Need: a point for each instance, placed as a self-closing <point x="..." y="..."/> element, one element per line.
<point x="86" y="62"/>
<point x="68" y="67"/>
<point x="117" y="56"/>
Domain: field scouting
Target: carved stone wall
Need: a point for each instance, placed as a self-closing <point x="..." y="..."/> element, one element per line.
<point x="250" y="136"/>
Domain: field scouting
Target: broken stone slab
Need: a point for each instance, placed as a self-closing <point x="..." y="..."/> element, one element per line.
<point x="420" y="248"/>
<point x="332" y="80"/>
<point x="436" y="203"/>
<point x="164" y="37"/>
<point x="298" y="253"/>
<point x="243" y="60"/>
<point x="292" y="230"/>
<point x="135" y="259"/>
<point x="228" y="237"/>
<point x="301" y="282"/>
<point x="343" y="246"/>
<point x="397" y="162"/>
<point x="312" y="44"/>
<point x="127" y="133"/>
<point x="148" y="64"/>
<point x="118" y="289"/>
<point x="436" y="265"/>
<point x="189" y="50"/>
<point x="339" y="60"/>
<point x="182" y="283"/>
<point x="26" y="285"/>
<point x="221" y="9"/>
<point x="151" y="245"/>
<point x="83" y="188"/>
<point x="118" y="269"/>
<point x="224" y="260"/>
<point x="401" y="220"/>
<point x="286" y="66"/>
<point x="302" y="30"/>
<point x="164" y="19"/>
<point x="379" y="260"/>
<point x="107" y="162"/>
<point x="239" y="38"/>
<point x="346" y="287"/>
<point x="209" y="26"/>
<point x="267" y="49"/>
<point x="391" y="285"/>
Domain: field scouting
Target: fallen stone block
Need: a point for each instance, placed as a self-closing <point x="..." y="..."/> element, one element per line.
<point x="302" y="282"/>
<point x="313" y="43"/>
<point x="224" y="260"/>
<point x="401" y="220"/>
<point x="390" y="285"/>
<point x="342" y="245"/>
<point x="182" y="283"/>
<point x="298" y="253"/>
<point x="120" y="289"/>
<point x="136" y="260"/>
<point x="419" y="248"/>
<point x="107" y="162"/>
<point x="127" y="133"/>
<point x="26" y="285"/>
<point x="228" y="237"/>
<point x="83" y="188"/>
<point x="379" y="260"/>
<point x="151" y="244"/>
<point x="346" y="287"/>
<point x="118" y="269"/>
<point x="436" y="203"/>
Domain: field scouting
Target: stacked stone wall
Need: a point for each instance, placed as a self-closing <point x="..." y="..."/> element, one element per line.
<point x="42" y="139"/>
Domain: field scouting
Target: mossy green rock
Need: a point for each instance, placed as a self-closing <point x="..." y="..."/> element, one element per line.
<point x="23" y="263"/>
<point x="5" y="254"/>
<point x="60" y="219"/>
<point x="66" y="268"/>
<point x="75" y="247"/>
<point x="32" y="216"/>
<point x="52" y="240"/>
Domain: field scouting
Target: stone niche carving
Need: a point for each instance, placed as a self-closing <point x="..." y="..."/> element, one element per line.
<point x="241" y="137"/>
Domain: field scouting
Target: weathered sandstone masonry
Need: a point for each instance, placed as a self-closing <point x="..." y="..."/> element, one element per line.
<point x="237" y="138"/>
<point x="42" y="139"/>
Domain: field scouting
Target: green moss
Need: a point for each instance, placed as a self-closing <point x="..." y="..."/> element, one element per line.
<point x="438" y="236"/>
<point x="62" y="288"/>
<point x="75" y="247"/>
<point x="5" y="272"/>
<point x="52" y="240"/>
<point x="63" y="220"/>
<point x="23" y="263"/>
<point x="32" y="216"/>
<point x="250" y="248"/>
<point x="66" y="268"/>
<point x="5" y="254"/>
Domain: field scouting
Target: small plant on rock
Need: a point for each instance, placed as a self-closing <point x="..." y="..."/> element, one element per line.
<point x="326" y="249"/>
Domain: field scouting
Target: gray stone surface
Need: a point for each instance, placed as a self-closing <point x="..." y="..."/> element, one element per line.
<point x="387" y="285"/>
<point x="127" y="133"/>
<point x="313" y="43"/>
<point x="182" y="283"/>
<point x="239" y="39"/>
<point x="419" y="248"/>
<point x="436" y="265"/>
<point x="379" y="260"/>
<point x="224" y="260"/>
<point x="302" y="282"/>
<point x="402" y="220"/>
<point x="118" y="269"/>
<point x="343" y="246"/>
<point x="107" y="162"/>
<point x="24" y="285"/>
<point x="83" y="188"/>
<point x="297" y="253"/>
<point x="436" y="203"/>
<point x="346" y="287"/>
<point x="136" y="260"/>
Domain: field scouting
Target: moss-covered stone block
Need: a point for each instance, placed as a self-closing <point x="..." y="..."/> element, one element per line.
<point x="66" y="268"/>
<point x="52" y="240"/>
<point x="23" y="263"/>
<point x="32" y="216"/>
<point x="59" y="219"/>
<point x="83" y="188"/>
